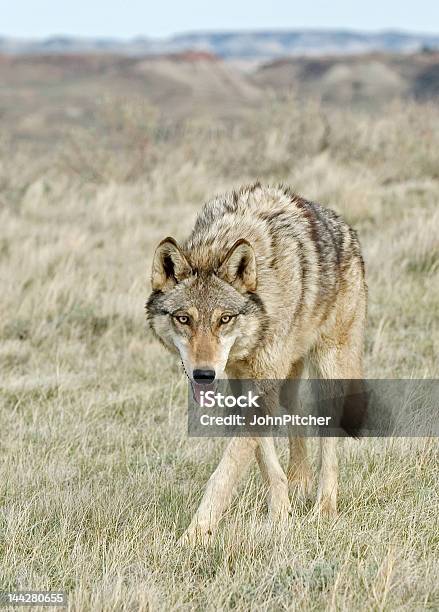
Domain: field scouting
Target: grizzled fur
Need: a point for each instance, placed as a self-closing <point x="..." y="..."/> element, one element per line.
<point x="287" y="276"/>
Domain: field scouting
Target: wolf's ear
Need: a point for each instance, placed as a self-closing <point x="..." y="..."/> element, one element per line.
<point x="239" y="267"/>
<point x="169" y="265"/>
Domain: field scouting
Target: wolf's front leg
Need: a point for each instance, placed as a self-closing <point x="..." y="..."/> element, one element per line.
<point x="279" y="505"/>
<point x="235" y="461"/>
<point x="328" y="483"/>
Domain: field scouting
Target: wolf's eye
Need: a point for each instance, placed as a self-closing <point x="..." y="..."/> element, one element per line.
<point x="183" y="319"/>
<point x="225" y="319"/>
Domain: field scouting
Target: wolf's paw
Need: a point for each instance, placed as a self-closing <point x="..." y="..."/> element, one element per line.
<point x="326" y="506"/>
<point x="196" y="535"/>
<point x="300" y="483"/>
<point x="279" y="510"/>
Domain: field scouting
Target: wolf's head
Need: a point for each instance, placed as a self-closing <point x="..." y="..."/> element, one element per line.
<point x="211" y="317"/>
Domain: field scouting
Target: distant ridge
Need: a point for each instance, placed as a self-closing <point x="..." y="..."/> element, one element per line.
<point x="258" y="45"/>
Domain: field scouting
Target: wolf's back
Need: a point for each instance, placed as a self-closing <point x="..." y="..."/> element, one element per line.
<point x="278" y="223"/>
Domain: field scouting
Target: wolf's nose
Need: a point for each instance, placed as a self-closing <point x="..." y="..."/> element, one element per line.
<point x="204" y="377"/>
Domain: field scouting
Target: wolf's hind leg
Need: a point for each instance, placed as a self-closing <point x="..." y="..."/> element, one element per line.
<point x="299" y="471"/>
<point x="336" y="359"/>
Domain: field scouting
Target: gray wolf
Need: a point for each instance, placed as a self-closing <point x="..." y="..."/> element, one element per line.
<point x="267" y="286"/>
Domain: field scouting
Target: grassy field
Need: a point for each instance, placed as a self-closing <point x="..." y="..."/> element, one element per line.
<point x="97" y="475"/>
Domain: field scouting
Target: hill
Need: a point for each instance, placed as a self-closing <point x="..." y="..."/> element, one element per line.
<point x="263" y="45"/>
<point x="371" y="79"/>
<point x="43" y="94"/>
<point x="47" y="94"/>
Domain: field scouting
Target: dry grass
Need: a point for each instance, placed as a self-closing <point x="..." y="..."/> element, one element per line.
<point x="97" y="475"/>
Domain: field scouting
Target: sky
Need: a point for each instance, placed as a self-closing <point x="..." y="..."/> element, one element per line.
<point x="158" y="18"/>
